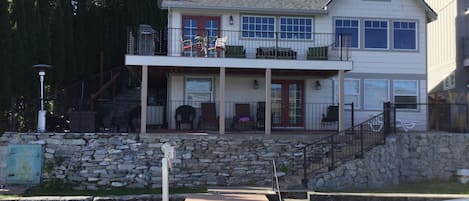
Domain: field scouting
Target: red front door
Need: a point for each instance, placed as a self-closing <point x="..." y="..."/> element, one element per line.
<point x="287" y="103"/>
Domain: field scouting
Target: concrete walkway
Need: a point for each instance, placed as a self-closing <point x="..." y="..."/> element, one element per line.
<point x="232" y="194"/>
<point x="226" y="197"/>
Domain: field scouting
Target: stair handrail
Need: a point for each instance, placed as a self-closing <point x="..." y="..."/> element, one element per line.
<point x="363" y="130"/>
<point x="277" y="185"/>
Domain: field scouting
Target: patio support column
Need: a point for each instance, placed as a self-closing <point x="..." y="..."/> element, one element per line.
<point x="268" y="101"/>
<point x="143" y="100"/>
<point x="221" y="118"/>
<point x="341" y="101"/>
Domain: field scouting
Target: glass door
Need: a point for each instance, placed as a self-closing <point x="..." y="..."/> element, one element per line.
<point x="199" y="35"/>
<point x="287" y="103"/>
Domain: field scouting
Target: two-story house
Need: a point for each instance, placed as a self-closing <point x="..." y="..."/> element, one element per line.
<point x="275" y="64"/>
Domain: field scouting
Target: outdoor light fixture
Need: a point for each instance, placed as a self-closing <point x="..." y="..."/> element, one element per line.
<point x="466" y="12"/>
<point x="317" y="85"/>
<point x="41" y="115"/>
<point x="255" y="85"/>
<point x="231" y="20"/>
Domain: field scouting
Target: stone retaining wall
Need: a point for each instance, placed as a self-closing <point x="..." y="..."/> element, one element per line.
<point x="94" y="160"/>
<point x="406" y="158"/>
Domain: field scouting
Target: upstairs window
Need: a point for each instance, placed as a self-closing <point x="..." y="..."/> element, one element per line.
<point x="258" y="26"/>
<point x="405" y="34"/>
<point x="348" y="28"/>
<point x="376" y="34"/>
<point x="296" y="28"/>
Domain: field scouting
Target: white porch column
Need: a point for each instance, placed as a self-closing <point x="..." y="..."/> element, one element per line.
<point x="221" y="122"/>
<point x="341" y="101"/>
<point x="143" y="100"/>
<point x="268" y="101"/>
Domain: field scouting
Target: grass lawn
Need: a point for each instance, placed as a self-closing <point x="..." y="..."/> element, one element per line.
<point x="433" y="187"/>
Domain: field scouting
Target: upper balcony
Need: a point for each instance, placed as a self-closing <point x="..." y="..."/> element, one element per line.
<point x="283" y="48"/>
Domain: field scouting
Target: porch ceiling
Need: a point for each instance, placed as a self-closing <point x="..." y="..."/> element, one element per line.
<point x="190" y="62"/>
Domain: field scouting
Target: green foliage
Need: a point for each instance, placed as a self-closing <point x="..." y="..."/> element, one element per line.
<point x="68" y="34"/>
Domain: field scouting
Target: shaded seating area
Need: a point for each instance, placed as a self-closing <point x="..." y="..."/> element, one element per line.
<point x="243" y="119"/>
<point x="317" y="53"/>
<point x="208" y="119"/>
<point x="185" y="114"/>
<point x="275" y="53"/>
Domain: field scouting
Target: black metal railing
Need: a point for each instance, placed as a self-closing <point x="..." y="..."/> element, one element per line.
<point x="329" y="152"/>
<point x="144" y="40"/>
<point x="447" y="117"/>
<point x="250" y="116"/>
<point x="22" y="115"/>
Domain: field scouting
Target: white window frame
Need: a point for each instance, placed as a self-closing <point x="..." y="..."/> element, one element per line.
<point x="186" y="92"/>
<point x="255" y="37"/>
<point x="359" y="29"/>
<point x="416" y="93"/>
<point x="416" y="35"/>
<point x="357" y="104"/>
<point x="365" y="93"/>
<point x="294" y="17"/>
<point x="387" y="34"/>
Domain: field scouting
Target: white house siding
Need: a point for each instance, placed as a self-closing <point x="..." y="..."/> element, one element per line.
<point x="442" y="42"/>
<point x="373" y="62"/>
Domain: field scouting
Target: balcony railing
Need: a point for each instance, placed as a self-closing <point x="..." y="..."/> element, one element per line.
<point x="237" y="44"/>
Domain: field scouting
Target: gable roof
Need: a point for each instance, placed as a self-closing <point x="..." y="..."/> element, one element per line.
<point x="276" y="6"/>
<point x="269" y="6"/>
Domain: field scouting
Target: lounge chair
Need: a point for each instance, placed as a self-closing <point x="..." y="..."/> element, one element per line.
<point x="243" y="119"/>
<point x="208" y="118"/>
<point x="185" y="114"/>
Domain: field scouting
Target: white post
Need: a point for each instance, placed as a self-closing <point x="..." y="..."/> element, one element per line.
<point x="165" y="174"/>
<point x="169" y="154"/>
<point x="41" y="118"/>
<point x="341" y="101"/>
<point x="143" y="100"/>
<point x="221" y="122"/>
<point x="268" y="101"/>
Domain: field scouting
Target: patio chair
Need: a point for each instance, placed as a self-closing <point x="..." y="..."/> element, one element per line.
<point x="317" y="53"/>
<point x="219" y="47"/>
<point x="235" y="51"/>
<point x="208" y="118"/>
<point x="185" y="114"/>
<point x="243" y="119"/>
<point x="331" y="117"/>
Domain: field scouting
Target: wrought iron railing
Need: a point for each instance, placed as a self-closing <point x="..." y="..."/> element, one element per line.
<point x="144" y="40"/>
<point x="22" y="115"/>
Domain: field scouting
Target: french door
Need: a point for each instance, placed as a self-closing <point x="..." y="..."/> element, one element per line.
<point x="199" y="35"/>
<point x="287" y="103"/>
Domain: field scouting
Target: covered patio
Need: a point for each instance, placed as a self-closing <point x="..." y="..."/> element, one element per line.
<point x="225" y="107"/>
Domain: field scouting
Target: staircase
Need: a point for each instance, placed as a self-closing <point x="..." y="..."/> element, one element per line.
<point x="120" y="113"/>
<point x="332" y="151"/>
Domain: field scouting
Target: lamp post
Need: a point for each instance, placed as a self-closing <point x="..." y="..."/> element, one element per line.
<point x="41" y="115"/>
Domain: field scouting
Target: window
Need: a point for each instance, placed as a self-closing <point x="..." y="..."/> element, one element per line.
<point x="198" y="90"/>
<point x="349" y="28"/>
<point x="351" y="91"/>
<point x="406" y="93"/>
<point x="376" y="34"/>
<point x="405" y="35"/>
<point x="296" y="28"/>
<point x="449" y="82"/>
<point x="258" y="27"/>
<point x="376" y="92"/>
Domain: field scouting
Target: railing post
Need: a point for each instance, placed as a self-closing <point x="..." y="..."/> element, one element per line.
<point x="332" y="152"/>
<point x="387" y="118"/>
<point x="362" y="152"/>
<point x="305" y="167"/>
<point x="340" y="47"/>
<point x="276" y="45"/>
<point x="353" y="118"/>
